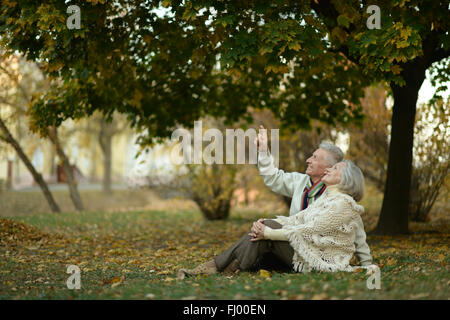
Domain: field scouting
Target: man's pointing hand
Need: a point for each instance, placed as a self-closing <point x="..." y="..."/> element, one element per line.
<point x="261" y="140"/>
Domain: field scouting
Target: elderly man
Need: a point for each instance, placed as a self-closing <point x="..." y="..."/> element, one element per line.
<point x="307" y="187"/>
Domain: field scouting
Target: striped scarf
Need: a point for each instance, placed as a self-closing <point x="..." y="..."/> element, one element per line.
<point x="311" y="192"/>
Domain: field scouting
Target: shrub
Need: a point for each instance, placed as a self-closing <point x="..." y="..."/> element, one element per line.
<point x="212" y="187"/>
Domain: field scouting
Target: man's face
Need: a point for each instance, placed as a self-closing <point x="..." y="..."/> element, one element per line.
<point x="317" y="164"/>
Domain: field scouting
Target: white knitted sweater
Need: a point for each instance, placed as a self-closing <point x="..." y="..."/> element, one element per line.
<point x="322" y="235"/>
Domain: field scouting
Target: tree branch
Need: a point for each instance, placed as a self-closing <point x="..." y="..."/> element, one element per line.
<point x="14" y="79"/>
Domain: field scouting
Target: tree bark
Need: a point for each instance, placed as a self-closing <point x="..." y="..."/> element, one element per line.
<point x="73" y="190"/>
<point x="105" y="140"/>
<point x="394" y="212"/>
<point x="36" y="175"/>
<point x="52" y="164"/>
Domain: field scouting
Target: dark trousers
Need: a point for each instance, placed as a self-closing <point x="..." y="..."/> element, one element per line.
<point x="262" y="254"/>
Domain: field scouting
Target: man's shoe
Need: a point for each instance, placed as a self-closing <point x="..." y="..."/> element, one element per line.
<point x="205" y="268"/>
<point x="233" y="267"/>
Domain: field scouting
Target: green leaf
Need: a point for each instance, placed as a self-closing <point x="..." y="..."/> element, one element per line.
<point x="343" y="20"/>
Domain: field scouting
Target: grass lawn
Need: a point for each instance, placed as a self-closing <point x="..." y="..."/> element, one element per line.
<point x="136" y="254"/>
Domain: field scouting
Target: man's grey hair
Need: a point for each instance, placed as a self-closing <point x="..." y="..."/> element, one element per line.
<point x="335" y="153"/>
<point x="352" y="180"/>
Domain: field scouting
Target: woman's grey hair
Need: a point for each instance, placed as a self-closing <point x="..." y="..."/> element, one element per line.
<point x="352" y="180"/>
<point x="335" y="153"/>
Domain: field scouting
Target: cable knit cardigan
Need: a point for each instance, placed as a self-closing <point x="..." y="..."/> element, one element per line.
<point x="322" y="235"/>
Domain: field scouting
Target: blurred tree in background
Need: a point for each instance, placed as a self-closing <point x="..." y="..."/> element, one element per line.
<point x="369" y="143"/>
<point x="96" y="130"/>
<point x="209" y="185"/>
<point x="431" y="158"/>
<point x="18" y="82"/>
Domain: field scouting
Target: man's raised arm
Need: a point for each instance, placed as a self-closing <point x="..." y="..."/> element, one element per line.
<point x="277" y="180"/>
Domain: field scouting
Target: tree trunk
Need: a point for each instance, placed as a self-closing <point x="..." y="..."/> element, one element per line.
<point x="105" y="140"/>
<point x="394" y="212"/>
<point x="52" y="163"/>
<point x="36" y="175"/>
<point x="9" y="179"/>
<point x="220" y="211"/>
<point x="94" y="162"/>
<point x="73" y="190"/>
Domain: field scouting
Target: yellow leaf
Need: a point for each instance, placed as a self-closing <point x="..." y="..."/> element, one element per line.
<point x="319" y="296"/>
<point x="115" y="280"/>
<point x="297" y="46"/>
<point x="440" y="257"/>
<point x="396" y="69"/>
<point x="164" y="272"/>
<point x="358" y="270"/>
<point x="264" y="273"/>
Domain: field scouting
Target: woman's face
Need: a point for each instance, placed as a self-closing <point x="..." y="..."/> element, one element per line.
<point x="333" y="175"/>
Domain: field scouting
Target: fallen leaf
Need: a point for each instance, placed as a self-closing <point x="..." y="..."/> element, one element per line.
<point x="264" y="273"/>
<point x="164" y="272"/>
<point x="419" y="295"/>
<point x="319" y="296"/>
<point x="149" y="296"/>
<point x="297" y="297"/>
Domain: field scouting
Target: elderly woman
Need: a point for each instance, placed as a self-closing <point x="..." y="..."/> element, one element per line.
<point x="321" y="237"/>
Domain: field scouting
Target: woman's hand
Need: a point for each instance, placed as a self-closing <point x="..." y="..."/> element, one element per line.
<point x="257" y="232"/>
<point x="255" y="227"/>
<point x="255" y="224"/>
